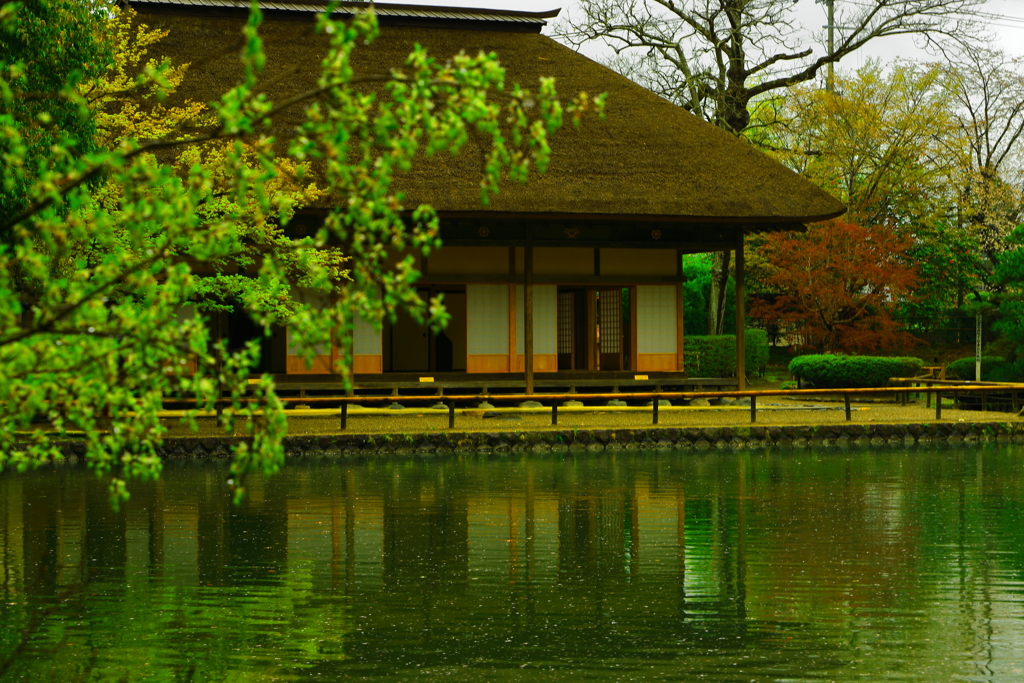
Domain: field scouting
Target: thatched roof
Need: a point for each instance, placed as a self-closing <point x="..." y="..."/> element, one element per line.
<point x="648" y="158"/>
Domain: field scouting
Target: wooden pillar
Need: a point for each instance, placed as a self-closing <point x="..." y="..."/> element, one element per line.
<point x="528" y="316"/>
<point x="741" y="317"/>
<point x="680" y="304"/>
<point x="348" y="351"/>
<point x="680" y="311"/>
<point x="513" y="354"/>
<point x="431" y="340"/>
<point x="633" y="329"/>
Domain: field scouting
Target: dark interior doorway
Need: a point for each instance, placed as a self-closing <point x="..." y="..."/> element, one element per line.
<point x="239" y="328"/>
<point x="411" y="347"/>
<point x="594" y="329"/>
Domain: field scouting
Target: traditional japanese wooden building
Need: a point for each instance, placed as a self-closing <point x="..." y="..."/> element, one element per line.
<point x="578" y="272"/>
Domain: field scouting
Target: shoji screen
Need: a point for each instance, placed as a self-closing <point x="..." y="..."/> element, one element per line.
<point x="545" y="328"/>
<point x="367" y="354"/>
<point x="487" y="328"/>
<point x="657" y="328"/>
<point x="322" y="361"/>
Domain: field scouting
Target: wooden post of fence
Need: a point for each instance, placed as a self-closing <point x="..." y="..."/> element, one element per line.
<point x="753" y="409"/>
<point x="928" y="395"/>
<point x="654" y="410"/>
<point x="554" y="414"/>
<point x="528" y="313"/>
<point x="938" y="405"/>
<point x="344" y="415"/>
<point x="846" y="402"/>
<point x="451" y="414"/>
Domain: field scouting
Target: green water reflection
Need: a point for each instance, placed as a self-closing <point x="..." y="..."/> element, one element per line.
<point x="660" y="566"/>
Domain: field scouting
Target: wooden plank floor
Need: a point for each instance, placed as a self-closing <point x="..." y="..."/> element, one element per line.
<point x="438" y="383"/>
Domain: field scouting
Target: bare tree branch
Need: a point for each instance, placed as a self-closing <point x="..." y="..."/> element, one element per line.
<point x="715" y="56"/>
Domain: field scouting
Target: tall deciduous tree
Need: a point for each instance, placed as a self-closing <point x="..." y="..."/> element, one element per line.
<point x="717" y="57"/>
<point x="889" y="142"/>
<point x="837" y="285"/>
<point x="987" y="88"/>
<point x="875" y="141"/>
<point x="100" y="342"/>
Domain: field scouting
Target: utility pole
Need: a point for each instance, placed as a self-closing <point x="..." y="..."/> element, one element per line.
<point x="977" y="346"/>
<point x="830" y="6"/>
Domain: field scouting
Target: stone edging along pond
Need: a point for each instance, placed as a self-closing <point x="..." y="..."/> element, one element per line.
<point x="599" y="440"/>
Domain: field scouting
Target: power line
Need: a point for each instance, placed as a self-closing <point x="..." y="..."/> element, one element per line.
<point x="976" y="13"/>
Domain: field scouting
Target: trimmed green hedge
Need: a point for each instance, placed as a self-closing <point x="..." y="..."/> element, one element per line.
<point x="993" y="369"/>
<point x="850" y="372"/>
<point x="715" y="356"/>
<point x="757" y="350"/>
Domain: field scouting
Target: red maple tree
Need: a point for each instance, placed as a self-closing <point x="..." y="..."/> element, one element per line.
<point x="836" y="284"/>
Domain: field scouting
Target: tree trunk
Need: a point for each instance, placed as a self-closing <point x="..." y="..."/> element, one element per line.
<point x="719" y="285"/>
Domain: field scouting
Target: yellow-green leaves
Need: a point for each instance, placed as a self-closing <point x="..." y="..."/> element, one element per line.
<point x="108" y="276"/>
<point x="872" y="141"/>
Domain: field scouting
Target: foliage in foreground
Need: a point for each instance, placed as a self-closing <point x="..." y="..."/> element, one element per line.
<point x="825" y="371"/>
<point x="92" y="284"/>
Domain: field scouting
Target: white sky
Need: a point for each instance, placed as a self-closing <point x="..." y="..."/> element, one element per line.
<point x="1006" y="23"/>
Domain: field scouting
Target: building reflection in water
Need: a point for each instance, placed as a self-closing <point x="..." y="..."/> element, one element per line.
<point x="637" y="558"/>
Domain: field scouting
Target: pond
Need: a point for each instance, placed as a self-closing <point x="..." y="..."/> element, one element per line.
<point x="762" y="566"/>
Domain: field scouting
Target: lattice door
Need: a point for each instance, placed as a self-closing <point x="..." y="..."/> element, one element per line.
<point x="566" y="324"/>
<point x="610" y="330"/>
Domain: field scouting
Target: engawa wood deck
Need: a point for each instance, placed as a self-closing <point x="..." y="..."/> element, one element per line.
<point x="553" y="382"/>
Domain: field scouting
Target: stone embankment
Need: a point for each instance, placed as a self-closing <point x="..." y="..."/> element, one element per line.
<point x="604" y="440"/>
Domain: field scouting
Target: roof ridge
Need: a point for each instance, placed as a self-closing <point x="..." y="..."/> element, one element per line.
<point x="545" y="14"/>
<point x="382" y="9"/>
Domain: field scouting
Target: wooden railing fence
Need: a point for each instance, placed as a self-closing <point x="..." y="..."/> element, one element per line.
<point x="938" y="388"/>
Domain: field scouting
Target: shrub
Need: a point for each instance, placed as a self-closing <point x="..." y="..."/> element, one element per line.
<point x="849" y="372"/>
<point x="710" y="356"/>
<point x="993" y="369"/>
<point x="757" y="350"/>
<point x="715" y="356"/>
